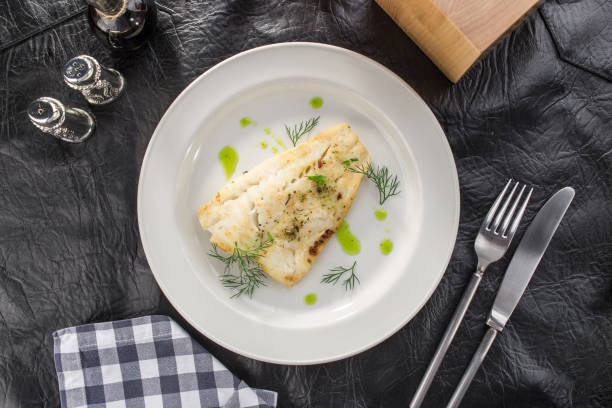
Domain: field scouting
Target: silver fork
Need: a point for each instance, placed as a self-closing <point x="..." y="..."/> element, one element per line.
<point x="491" y="244"/>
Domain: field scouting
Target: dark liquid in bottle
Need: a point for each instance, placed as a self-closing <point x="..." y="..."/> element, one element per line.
<point x="129" y="29"/>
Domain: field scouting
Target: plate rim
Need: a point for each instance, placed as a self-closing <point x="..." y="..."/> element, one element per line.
<point x="455" y="216"/>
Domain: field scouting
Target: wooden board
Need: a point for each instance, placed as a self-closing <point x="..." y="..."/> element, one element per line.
<point x="455" y="33"/>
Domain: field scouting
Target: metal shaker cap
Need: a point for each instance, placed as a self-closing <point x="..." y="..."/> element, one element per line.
<point x="98" y="84"/>
<point x="66" y="123"/>
<point x="80" y="70"/>
<point x="46" y="112"/>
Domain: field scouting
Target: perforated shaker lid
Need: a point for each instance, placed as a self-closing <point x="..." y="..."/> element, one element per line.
<point x="45" y="111"/>
<point x="79" y="69"/>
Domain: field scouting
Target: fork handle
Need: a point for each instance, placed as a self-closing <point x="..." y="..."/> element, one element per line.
<point x="470" y="372"/>
<point x="449" y="334"/>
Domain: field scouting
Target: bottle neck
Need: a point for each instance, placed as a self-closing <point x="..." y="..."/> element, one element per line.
<point x="111" y="8"/>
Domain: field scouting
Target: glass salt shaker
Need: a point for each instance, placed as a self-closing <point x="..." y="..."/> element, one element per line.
<point x="71" y="125"/>
<point x="99" y="85"/>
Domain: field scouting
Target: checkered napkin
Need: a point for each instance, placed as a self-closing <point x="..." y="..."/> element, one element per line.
<point x="145" y="362"/>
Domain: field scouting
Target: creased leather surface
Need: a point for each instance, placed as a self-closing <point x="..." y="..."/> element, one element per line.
<point x="22" y="18"/>
<point x="69" y="246"/>
<point x="585" y="45"/>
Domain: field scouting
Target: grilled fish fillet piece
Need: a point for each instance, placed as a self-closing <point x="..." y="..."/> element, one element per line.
<point x="278" y="198"/>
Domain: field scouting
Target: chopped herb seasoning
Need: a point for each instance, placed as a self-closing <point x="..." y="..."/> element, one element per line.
<point x="348" y="162"/>
<point x="319" y="179"/>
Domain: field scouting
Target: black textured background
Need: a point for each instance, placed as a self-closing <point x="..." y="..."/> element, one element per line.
<point x="537" y="108"/>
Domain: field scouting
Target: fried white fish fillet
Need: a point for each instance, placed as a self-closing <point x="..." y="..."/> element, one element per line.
<point x="278" y="198"/>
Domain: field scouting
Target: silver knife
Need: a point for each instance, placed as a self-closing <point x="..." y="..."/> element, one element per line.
<point x="519" y="272"/>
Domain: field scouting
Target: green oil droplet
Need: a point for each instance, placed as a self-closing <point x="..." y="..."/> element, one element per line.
<point x="386" y="229"/>
<point x="386" y="246"/>
<point x="267" y="130"/>
<point x="280" y="143"/>
<point x="274" y="149"/>
<point x="228" y="158"/>
<point x="349" y="242"/>
<point x="310" y="299"/>
<point x="263" y="144"/>
<point x="247" y="121"/>
<point x="380" y="214"/>
<point x="316" y="102"/>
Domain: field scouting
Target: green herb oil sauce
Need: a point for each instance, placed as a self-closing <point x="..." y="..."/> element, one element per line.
<point x="386" y="246"/>
<point x="349" y="242"/>
<point x="280" y="143"/>
<point x="274" y="149"/>
<point x="316" y="102"/>
<point x="228" y="158"/>
<point x="267" y="130"/>
<point x="244" y="122"/>
<point x="263" y="144"/>
<point x="310" y="299"/>
<point x="380" y="214"/>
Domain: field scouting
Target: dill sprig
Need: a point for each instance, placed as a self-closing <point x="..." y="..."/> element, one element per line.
<point x="250" y="276"/>
<point x="300" y="130"/>
<point x="336" y="273"/>
<point x="386" y="183"/>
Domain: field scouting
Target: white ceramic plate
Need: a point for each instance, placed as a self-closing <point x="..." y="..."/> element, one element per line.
<point x="273" y="86"/>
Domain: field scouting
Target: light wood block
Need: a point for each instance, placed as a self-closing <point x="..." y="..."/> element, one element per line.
<point x="455" y="33"/>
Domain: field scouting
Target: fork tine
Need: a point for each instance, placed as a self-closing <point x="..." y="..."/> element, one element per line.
<point x="501" y="212"/>
<point x="491" y="213"/>
<point x="519" y="215"/>
<point x="506" y="223"/>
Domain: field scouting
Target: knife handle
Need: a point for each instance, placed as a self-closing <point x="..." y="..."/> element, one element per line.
<point x="479" y="356"/>
<point x="449" y="334"/>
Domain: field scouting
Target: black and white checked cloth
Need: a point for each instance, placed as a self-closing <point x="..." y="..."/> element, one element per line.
<point x="145" y="362"/>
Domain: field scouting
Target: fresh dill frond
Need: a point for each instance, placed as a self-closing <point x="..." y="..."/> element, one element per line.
<point x="336" y="273"/>
<point x="319" y="179"/>
<point x="298" y="131"/>
<point x="269" y="241"/>
<point x="386" y="183"/>
<point x="250" y="276"/>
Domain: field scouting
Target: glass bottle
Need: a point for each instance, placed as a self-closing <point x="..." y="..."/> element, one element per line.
<point x="122" y="24"/>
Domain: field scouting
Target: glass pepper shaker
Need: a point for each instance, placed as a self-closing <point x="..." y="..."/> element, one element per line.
<point x="71" y="125"/>
<point x="99" y="85"/>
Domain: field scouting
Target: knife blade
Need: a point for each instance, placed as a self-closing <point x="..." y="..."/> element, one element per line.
<point x="524" y="262"/>
<point x="527" y="256"/>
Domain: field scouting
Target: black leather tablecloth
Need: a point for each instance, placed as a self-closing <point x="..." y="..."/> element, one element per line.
<point x="538" y="108"/>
